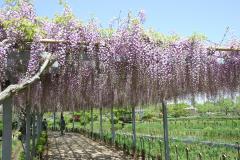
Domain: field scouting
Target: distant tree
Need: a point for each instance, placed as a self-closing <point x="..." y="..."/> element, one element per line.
<point x="226" y="105"/>
<point x="178" y="110"/>
<point x="207" y="106"/>
<point x="237" y="106"/>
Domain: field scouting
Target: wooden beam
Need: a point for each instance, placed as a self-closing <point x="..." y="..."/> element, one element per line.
<point x="227" y="49"/>
<point x="13" y="89"/>
<point x="47" y="40"/>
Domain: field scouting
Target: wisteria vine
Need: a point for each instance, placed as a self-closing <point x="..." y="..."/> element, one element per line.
<point x="121" y="68"/>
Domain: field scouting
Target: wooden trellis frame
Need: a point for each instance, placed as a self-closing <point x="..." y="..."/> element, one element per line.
<point x="6" y="100"/>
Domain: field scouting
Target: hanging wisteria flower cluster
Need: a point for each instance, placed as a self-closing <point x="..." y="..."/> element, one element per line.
<point x="98" y="67"/>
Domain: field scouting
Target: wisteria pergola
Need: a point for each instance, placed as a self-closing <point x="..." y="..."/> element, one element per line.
<point x="64" y="65"/>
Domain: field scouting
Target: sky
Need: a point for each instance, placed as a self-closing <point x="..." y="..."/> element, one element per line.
<point x="183" y="17"/>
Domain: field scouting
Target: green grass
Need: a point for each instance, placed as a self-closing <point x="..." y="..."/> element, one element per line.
<point x="213" y="129"/>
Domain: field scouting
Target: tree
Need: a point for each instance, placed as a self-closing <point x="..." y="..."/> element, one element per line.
<point x="226" y="105"/>
<point x="178" y="110"/>
<point x="207" y="106"/>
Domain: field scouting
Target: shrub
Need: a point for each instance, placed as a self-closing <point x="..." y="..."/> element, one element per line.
<point x="42" y="141"/>
<point x="22" y="156"/>
<point x="178" y="110"/>
<point x="115" y="120"/>
<point x="147" y="116"/>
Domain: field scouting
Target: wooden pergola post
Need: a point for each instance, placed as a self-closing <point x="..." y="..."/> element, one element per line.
<point x="41" y="119"/>
<point x="33" y="133"/>
<point x="134" y="138"/>
<point x="165" y="129"/>
<point x="39" y="122"/>
<point x="28" y="133"/>
<point x="73" y="121"/>
<point x="101" y="129"/>
<point x="91" y="122"/>
<point x="112" y="128"/>
<point x="84" y="119"/>
<point x="6" y="99"/>
<point x="54" y="120"/>
<point x="7" y="129"/>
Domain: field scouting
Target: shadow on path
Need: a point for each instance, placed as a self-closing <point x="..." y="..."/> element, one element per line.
<point x="73" y="146"/>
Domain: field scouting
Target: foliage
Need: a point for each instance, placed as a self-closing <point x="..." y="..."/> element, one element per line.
<point x="178" y="110"/>
<point x="22" y="156"/>
<point x="40" y="146"/>
<point x="226" y="105"/>
<point x="161" y="38"/>
<point x="147" y="116"/>
<point x="207" y="107"/>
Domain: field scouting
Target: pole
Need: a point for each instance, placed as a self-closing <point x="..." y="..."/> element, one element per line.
<point x="73" y="121"/>
<point x="165" y="128"/>
<point x="38" y="124"/>
<point x="133" y="129"/>
<point x="33" y="133"/>
<point x="101" y="130"/>
<point x="41" y="119"/>
<point x="7" y="129"/>
<point x="54" y="120"/>
<point x="84" y="119"/>
<point x="112" y="128"/>
<point x="91" y="122"/>
<point x="28" y="134"/>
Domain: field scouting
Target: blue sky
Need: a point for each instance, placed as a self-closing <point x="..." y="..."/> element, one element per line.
<point x="183" y="17"/>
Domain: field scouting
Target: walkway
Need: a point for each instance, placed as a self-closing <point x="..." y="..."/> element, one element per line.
<point x="73" y="146"/>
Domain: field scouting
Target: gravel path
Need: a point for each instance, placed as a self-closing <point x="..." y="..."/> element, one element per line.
<point x="73" y="146"/>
